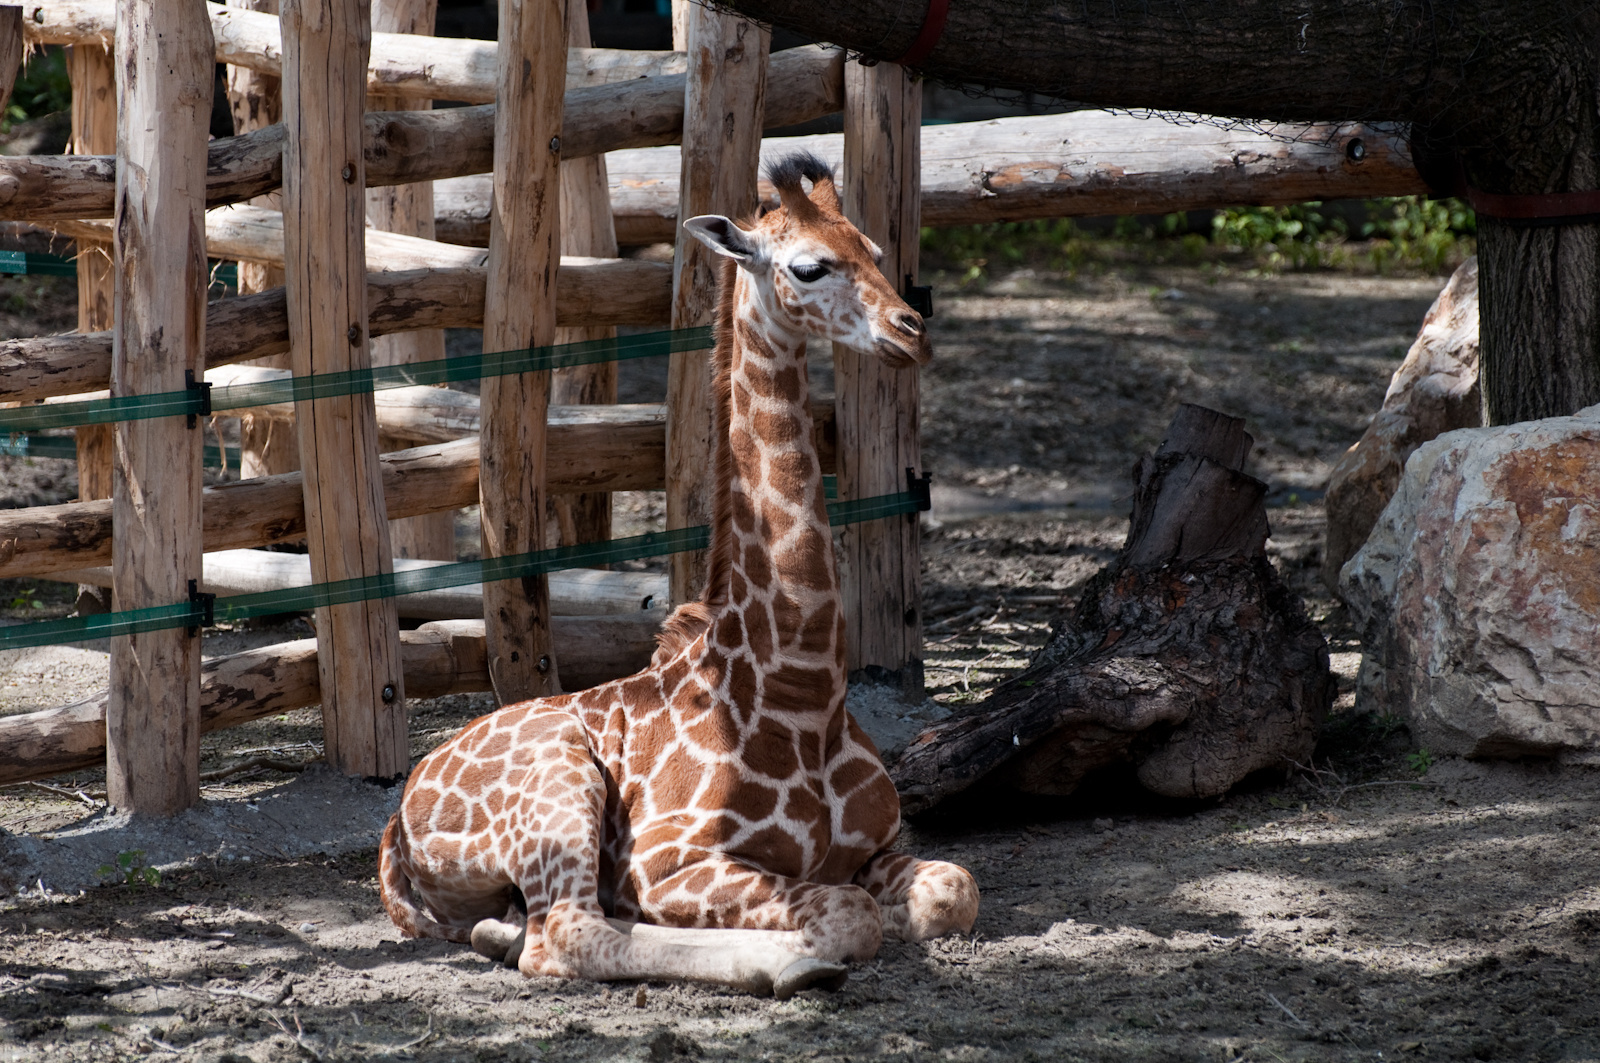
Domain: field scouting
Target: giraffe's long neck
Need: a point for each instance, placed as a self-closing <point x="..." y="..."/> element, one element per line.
<point x="774" y="593"/>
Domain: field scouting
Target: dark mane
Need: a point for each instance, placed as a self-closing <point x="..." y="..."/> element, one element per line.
<point x="785" y="173"/>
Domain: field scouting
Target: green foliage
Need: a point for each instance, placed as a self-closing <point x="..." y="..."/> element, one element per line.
<point x="1253" y="227"/>
<point x="1427" y="232"/>
<point x="971" y="249"/>
<point x="42" y="88"/>
<point x="1411" y="233"/>
<point x="1420" y="761"/>
<point x="130" y="870"/>
<point x="26" y="599"/>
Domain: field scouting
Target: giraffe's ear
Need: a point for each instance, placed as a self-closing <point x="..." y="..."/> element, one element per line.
<point x="724" y="237"/>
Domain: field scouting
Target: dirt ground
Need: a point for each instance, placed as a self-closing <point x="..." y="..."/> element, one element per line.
<point x="1385" y="904"/>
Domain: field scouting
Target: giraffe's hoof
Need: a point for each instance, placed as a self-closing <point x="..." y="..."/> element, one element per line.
<point x="514" y="950"/>
<point x="493" y="939"/>
<point x="809" y="973"/>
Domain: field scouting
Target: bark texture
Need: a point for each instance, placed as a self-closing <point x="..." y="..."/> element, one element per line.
<point x="1186" y="658"/>
<point x="1503" y="95"/>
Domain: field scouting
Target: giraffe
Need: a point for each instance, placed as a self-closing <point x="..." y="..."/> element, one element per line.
<point x="718" y="817"/>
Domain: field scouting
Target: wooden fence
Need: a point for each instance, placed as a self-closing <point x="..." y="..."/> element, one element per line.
<point x="472" y="235"/>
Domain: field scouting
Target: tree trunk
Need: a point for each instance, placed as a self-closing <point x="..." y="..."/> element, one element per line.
<point x="1186" y="657"/>
<point x="1509" y="89"/>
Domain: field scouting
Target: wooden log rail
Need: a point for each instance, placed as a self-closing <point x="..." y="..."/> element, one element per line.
<point x="401" y="64"/>
<point x="1056" y="166"/>
<point x="578" y="592"/>
<point x="588" y="292"/>
<point x="437" y="659"/>
<point x="590" y="449"/>
<point x="405" y="146"/>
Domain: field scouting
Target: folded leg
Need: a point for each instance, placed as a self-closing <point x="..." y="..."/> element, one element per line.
<point x="836" y="923"/>
<point x="921" y="899"/>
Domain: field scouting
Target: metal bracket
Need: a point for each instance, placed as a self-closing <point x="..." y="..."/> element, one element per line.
<point x="207" y="604"/>
<point x="203" y="389"/>
<point x="921" y="489"/>
<point x="918" y="297"/>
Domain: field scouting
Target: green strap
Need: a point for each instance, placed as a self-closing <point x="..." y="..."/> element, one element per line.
<point x="225" y="274"/>
<point x="29" y="262"/>
<point x="204" y="611"/>
<point x="37" y="446"/>
<point x="200" y="400"/>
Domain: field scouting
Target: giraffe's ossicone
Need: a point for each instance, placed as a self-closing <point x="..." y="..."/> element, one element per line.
<point x="718" y="817"/>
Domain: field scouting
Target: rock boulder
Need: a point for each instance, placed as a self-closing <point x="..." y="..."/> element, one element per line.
<point x="1435" y="390"/>
<point x="1478" y="593"/>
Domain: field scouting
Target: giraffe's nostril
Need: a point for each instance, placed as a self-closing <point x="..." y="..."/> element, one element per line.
<point x="908" y="323"/>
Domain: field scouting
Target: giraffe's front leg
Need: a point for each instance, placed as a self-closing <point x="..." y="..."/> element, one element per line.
<point x="836" y="923"/>
<point x="921" y="899"/>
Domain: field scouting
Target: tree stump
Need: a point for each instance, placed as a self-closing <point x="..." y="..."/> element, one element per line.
<point x="1186" y="658"/>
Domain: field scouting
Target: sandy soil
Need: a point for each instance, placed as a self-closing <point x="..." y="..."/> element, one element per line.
<point x="1383" y="905"/>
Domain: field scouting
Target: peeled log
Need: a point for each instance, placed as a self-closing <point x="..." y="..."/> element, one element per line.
<point x="1186" y="658"/>
<point x="405" y="146"/>
<point x="591" y="449"/>
<point x="589" y="291"/>
<point x="441" y="658"/>
<point x="401" y="64"/>
<point x="576" y="592"/>
<point x="1049" y="166"/>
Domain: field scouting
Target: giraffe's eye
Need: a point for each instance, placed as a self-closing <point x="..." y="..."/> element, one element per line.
<point x="809" y="272"/>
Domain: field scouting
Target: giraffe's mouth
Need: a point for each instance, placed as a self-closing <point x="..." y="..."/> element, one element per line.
<point x="897" y="356"/>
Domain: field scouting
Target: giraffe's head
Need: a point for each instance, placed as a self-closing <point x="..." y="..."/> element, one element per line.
<point x="813" y="272"/>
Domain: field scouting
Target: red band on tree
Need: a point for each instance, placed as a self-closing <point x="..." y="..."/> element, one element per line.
<point x="928" y="36"/>
<point x="1549" y="208"/>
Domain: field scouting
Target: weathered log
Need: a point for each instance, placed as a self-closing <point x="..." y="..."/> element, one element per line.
<point x="880" y="561"/>
<point x="588" y="292"/>
<point x="256" y="101"/>
<point x="94" y="129"/>
<point x="730" y="70"/>
<point x="1082" y="164"/>
<point x="1186" y="657"/>
<point x="250" y="233"/>
<point x="586" y="229"/>
<point x="620" y="449"/>
<point x="163" y="87"/>
<point x="408" y="209"/>
<point x="441" y="658"/>
<point x="405" y="146"/>
<point x="416" y="67"/>
<point x="579" y="592"/>
<point x="518" y="311"/>
<point x="438" y="415"/>
<point x="325" y="262"/>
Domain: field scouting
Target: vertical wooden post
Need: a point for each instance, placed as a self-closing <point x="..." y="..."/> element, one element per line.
<point x="520" y="311"/>
<point x="94" y="132"/>
<point x="266" y="446"/>
<point x="11" y="47"/>
<point x="408" y="209"/>
<point x="586" y="229"/>
<point x="325" y="46"/>
<point x="163" y="70"/>
<point x="723" y="106"/>
<point x="877" y="406"/>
